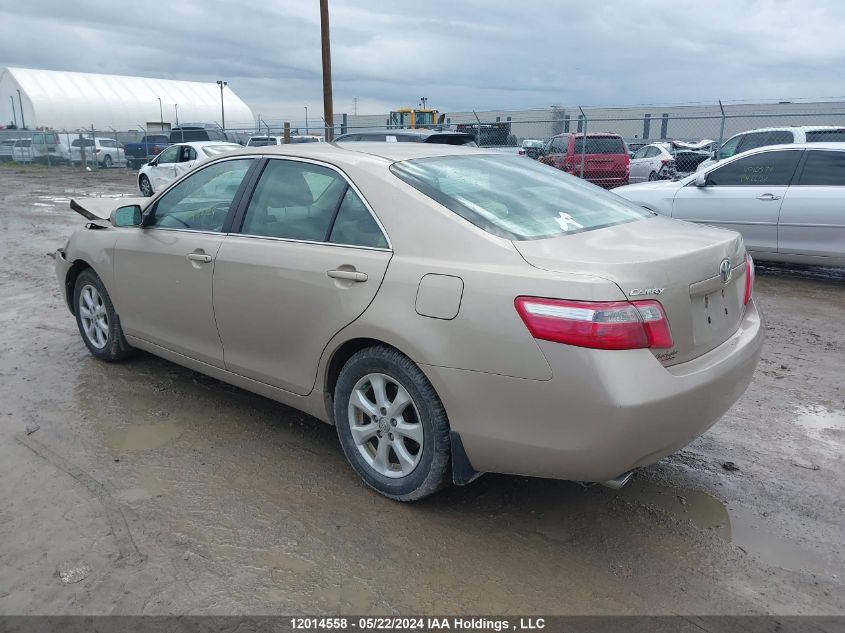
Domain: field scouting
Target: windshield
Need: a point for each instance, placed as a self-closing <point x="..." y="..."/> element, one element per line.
<point x="214" y="150"/>
<point x="516" y="198"/>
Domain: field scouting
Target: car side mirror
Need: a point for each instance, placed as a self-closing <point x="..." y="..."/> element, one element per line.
<point x="126" y="216"/>
<point x="701" y="180"/>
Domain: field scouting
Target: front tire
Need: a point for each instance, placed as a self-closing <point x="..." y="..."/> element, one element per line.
<point x="652" y="177"/>
<point x="107" y="162"/>
<point x="391" y="424"/>
<point x="98" y="323"/>
<point x="145" y="186"/>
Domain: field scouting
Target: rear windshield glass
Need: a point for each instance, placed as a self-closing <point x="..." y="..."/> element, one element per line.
<point x="261" y="141"/>
<point x="214" y="150"/>
<point x="820" y="136"/>
<point x="515" y="198"/>
<point x="600" y="145"/>
<point x="451" y="139"/>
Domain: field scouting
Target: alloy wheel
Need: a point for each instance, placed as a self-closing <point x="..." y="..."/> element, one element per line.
<point x="385" y="425"/>
<point x="94" y="317"/>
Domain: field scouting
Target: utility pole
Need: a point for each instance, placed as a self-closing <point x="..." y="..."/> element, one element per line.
<point x="20" y="102"/>
<point x="222" y="85"/>
<point x="176" y="108"/>
<point x="160" y="114"/>
<point x="306" y="119"/>
<point x="423" y="101"/>
<point x="328" y="108"/>
<point x="14" y="112"/>
<point x="355" y="106"/>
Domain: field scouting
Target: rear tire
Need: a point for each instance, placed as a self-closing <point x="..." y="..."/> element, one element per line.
<point x="391" y="424"/>
<point x="145" y="186"/>
<point x="652" y="177"/>
<point x="98" y="323"/>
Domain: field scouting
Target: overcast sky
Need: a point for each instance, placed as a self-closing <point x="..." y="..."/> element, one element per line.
<point x="461" y="54"/>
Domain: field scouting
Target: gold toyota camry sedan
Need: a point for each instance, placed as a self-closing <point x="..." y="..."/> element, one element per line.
<point x="452" y="311"/>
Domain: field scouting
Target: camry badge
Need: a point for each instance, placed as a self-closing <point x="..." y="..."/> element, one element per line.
<point x="725" y="270"/>
<point x="636" y="292"/>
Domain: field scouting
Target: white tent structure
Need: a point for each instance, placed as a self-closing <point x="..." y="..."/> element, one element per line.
<point x="72" y="101"/>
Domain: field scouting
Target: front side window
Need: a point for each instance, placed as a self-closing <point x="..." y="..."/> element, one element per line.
<point x="759" y="170"/>
<point x="201" y="202"/>
<point x="170" y="155"/>
<point x="729" y="147"/>
<point x="515" y="198"/>
<point x="559" y="145"/>
<point x="824" y="168"/>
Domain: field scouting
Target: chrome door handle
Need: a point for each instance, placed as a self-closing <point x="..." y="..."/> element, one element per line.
<point x="348" y="275"/>
<point x="768" y="196"/>
<point x="199" y="257"/>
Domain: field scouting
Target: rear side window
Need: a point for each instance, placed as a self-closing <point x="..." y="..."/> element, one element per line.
<point x="450" y="139"/>
<point x="825" y="168"/>
<point x="355" y="225"/>
<point x="762" y="139"/>
<point x="515" y="198"/>
<point x="762" y="169"/>
<point x="600" y="145"/>
<point x="820" y="136"/>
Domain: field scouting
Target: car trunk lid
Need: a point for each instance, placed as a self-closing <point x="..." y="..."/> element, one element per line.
<point x="675" y="263"/>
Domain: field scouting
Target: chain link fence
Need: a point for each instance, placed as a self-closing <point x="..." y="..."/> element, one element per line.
<point x="565" y="136"/>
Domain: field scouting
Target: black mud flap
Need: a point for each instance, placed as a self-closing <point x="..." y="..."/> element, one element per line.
<point x="462" y="470"/>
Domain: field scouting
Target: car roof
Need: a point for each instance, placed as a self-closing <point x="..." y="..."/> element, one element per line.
<point x="793" y="128"/>
<point x="390" y="152"/>
<point x="206" y="143"/>
<point x="797" y="146"/>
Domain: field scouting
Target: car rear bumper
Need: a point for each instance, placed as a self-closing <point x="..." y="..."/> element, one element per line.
<point x="602" y="413"/>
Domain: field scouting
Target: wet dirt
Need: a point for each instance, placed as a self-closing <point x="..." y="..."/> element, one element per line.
<point x="179" y="494"/>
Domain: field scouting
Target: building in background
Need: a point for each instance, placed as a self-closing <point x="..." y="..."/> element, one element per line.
<point x="72" y="101"/>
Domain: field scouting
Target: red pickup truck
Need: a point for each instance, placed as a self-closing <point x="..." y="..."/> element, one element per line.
<point x="605" y="157"/>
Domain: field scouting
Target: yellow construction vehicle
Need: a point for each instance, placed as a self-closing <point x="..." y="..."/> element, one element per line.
<point x="414" y="118"/>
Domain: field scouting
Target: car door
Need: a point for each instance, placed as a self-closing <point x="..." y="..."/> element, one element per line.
<point x="186" y="160"/>
<point x="162" y="171"/>
<point x="639" y="165"/>
<point x="743" y="194"/>
<point x="163" y="272"/>
<point x="307" y="260"/>
<point x="555" y="154"/>
<point x="812" y="217"/>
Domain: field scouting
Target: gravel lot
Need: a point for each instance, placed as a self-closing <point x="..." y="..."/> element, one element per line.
<point x="147" y="488"/>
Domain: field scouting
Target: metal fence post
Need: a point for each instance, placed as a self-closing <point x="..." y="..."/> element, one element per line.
<point x="721" y="132"/>
<point x="287" y="132"/>
<point x="583" y="140"/>
<point x="477" y="129"/>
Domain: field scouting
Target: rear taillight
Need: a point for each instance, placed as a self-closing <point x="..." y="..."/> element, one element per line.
<point x="749" y="278"/>
<point x="598" y="325"/>
<point x="156" y="150"/>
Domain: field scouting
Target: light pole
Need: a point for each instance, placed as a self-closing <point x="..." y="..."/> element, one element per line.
<point x="14" y="112"/>
<point x="160" y="114"/>
<point x="20" y="102"/>
<point x="423" y="101"/>
<point x="176" y="109"/>
<point x="222" y="85"/>
<point x="306" y="119"/>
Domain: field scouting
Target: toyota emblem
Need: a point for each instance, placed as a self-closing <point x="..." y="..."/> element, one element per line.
<point x="725" y="270"/>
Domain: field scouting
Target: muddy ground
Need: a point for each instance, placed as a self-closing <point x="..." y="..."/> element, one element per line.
<point x="148" y="488"/>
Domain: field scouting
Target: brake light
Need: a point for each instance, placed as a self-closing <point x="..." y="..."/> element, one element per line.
<point x="667" y="161"/>
<point x="598" y="325"/>
<point x="97" y="151"/>
<point x="156" y="149"/>
<point x="749" y="278"/>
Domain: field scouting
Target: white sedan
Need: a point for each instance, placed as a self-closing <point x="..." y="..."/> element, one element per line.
<point x="177" y="160"/>
<point x="788" y="201"/>
<point x="652" y="162"/>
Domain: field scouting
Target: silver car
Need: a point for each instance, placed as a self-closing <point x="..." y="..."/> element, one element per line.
<point x="451" y="311"/>
<point x="788" y="201"/>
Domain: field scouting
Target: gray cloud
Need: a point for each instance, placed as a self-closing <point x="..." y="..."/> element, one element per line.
<point x="462" y="55"/>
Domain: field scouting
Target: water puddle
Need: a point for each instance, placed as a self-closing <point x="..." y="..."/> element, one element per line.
<point x="733" y="524"/>
<point x="140" y="437"/>
<point x="820" y="420"/>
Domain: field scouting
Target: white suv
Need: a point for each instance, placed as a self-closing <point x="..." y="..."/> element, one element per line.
<point x="752" y="139"/>
<point x="106" y="151"/>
